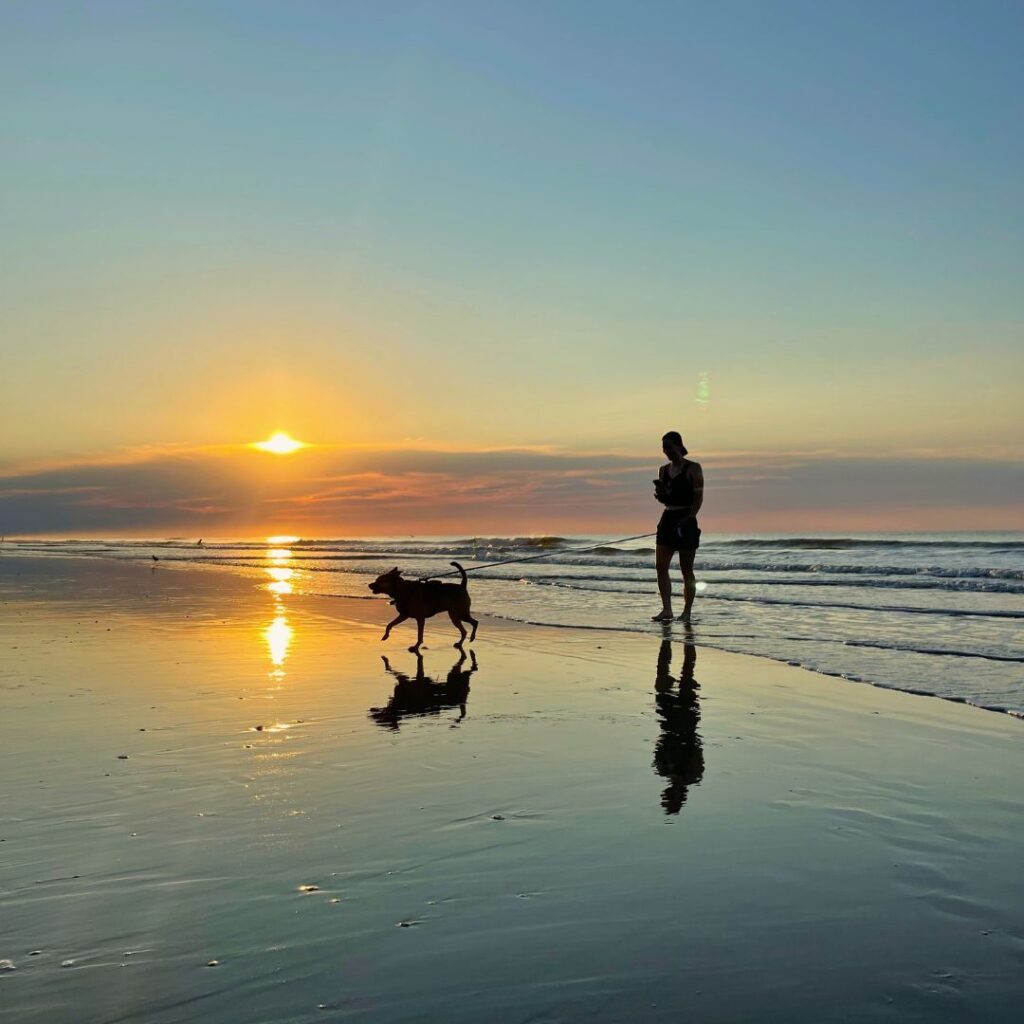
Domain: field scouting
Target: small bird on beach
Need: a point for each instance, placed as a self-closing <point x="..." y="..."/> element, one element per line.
<point x="155" y="559"/>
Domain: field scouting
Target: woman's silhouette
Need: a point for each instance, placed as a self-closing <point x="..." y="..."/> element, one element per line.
<point x="680" y="488"/>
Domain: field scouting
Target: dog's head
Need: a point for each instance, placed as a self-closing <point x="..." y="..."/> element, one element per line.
<point x="387" y="582"/>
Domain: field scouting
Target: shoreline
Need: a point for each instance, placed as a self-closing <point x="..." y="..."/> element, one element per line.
<point x="256" y="581"/>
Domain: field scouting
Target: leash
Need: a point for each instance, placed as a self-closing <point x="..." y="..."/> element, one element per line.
<point x="546" y="554"/>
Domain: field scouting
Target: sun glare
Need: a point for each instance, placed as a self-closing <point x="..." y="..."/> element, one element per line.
<point x="278" y="444"/>
<point x="278" y="636"/>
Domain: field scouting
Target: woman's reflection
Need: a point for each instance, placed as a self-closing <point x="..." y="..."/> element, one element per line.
<point x="678" y="753"/>
<point x="420" y="695"/>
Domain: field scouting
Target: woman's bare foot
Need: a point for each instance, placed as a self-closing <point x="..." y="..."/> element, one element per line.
<point x="665" y="616"/>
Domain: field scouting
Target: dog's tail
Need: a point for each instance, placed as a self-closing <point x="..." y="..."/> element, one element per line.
<point x="463" y="571"/>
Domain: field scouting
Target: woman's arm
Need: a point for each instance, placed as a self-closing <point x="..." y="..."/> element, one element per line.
<point x="697" y="477"/>
<point x="659" y="486"/>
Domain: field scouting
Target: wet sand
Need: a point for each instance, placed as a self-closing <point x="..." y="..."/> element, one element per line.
<point x="576" y="826"/>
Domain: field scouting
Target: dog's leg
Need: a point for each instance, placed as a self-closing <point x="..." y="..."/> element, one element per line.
<point x="419" y="636"/>
<point x="460" y="628"/>
<point x="391" y="625"/>
<point x="474" y="624"/>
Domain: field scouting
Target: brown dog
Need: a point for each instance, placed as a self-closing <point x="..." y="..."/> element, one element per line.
<point x="419" y="599"/>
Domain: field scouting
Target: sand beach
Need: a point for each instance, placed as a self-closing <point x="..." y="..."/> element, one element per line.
<point x="221" y="803"/>
<point x="573" y="318"/>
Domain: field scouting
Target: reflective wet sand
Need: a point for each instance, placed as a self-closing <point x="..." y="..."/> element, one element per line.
<point x="228" y="802"/>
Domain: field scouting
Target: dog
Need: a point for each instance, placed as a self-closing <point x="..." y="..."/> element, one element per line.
<point x="420" y="599"/>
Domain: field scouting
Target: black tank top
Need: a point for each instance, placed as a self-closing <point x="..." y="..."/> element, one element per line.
<point x="679" y="488"/>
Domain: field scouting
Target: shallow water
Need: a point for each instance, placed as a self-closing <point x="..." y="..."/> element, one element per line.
<point x="570" y="826"/>
<point x="939" y="614"/>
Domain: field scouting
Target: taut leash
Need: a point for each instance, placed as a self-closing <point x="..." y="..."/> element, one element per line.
<point x="546" y="554"/>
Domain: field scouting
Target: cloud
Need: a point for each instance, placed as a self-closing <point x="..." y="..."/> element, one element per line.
<point x="417" y="489"/>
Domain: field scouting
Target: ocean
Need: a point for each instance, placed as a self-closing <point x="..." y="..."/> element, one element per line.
<point x="940" y="614"/>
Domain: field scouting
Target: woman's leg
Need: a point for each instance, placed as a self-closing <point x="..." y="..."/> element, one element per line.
<point x="689" y="581"/>
<point x="663" y="561"/>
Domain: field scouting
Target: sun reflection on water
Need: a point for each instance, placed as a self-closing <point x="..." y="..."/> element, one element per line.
<point x="278" y="635"/>
<point x="273" y="754"/>
<point x="279" y="578"/>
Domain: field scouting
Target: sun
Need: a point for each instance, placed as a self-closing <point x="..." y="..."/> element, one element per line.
<point x="279" y="444"/>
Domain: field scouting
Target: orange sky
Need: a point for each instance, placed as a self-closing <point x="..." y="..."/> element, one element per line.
<point x="360" y="490"/>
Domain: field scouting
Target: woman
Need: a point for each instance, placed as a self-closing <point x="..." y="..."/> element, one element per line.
<point x="680" y="488"/>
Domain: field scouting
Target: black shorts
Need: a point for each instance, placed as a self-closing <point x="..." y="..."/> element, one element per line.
<point x="678" y="531"/>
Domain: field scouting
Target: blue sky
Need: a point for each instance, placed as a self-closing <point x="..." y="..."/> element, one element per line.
<point x="497" y="225"/>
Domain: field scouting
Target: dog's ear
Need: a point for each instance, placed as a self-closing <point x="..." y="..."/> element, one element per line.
<point x="395" y="570"/>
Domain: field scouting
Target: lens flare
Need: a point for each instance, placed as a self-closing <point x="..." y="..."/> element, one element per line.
<point x="704" y="388"/>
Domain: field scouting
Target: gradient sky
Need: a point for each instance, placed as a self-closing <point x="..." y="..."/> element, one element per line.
<point x="485" y="254"/>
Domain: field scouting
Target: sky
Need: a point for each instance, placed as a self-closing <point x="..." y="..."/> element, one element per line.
<point x="481" y="256"/>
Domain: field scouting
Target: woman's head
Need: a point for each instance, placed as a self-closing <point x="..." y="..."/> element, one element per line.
<point x="672" y="444"/>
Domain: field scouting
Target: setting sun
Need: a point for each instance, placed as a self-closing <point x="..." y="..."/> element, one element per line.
<point x="279" y="444"/>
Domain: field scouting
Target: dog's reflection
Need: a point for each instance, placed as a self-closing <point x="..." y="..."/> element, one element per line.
<point x="678" y="753"/>
<point x="419" y="695"/>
